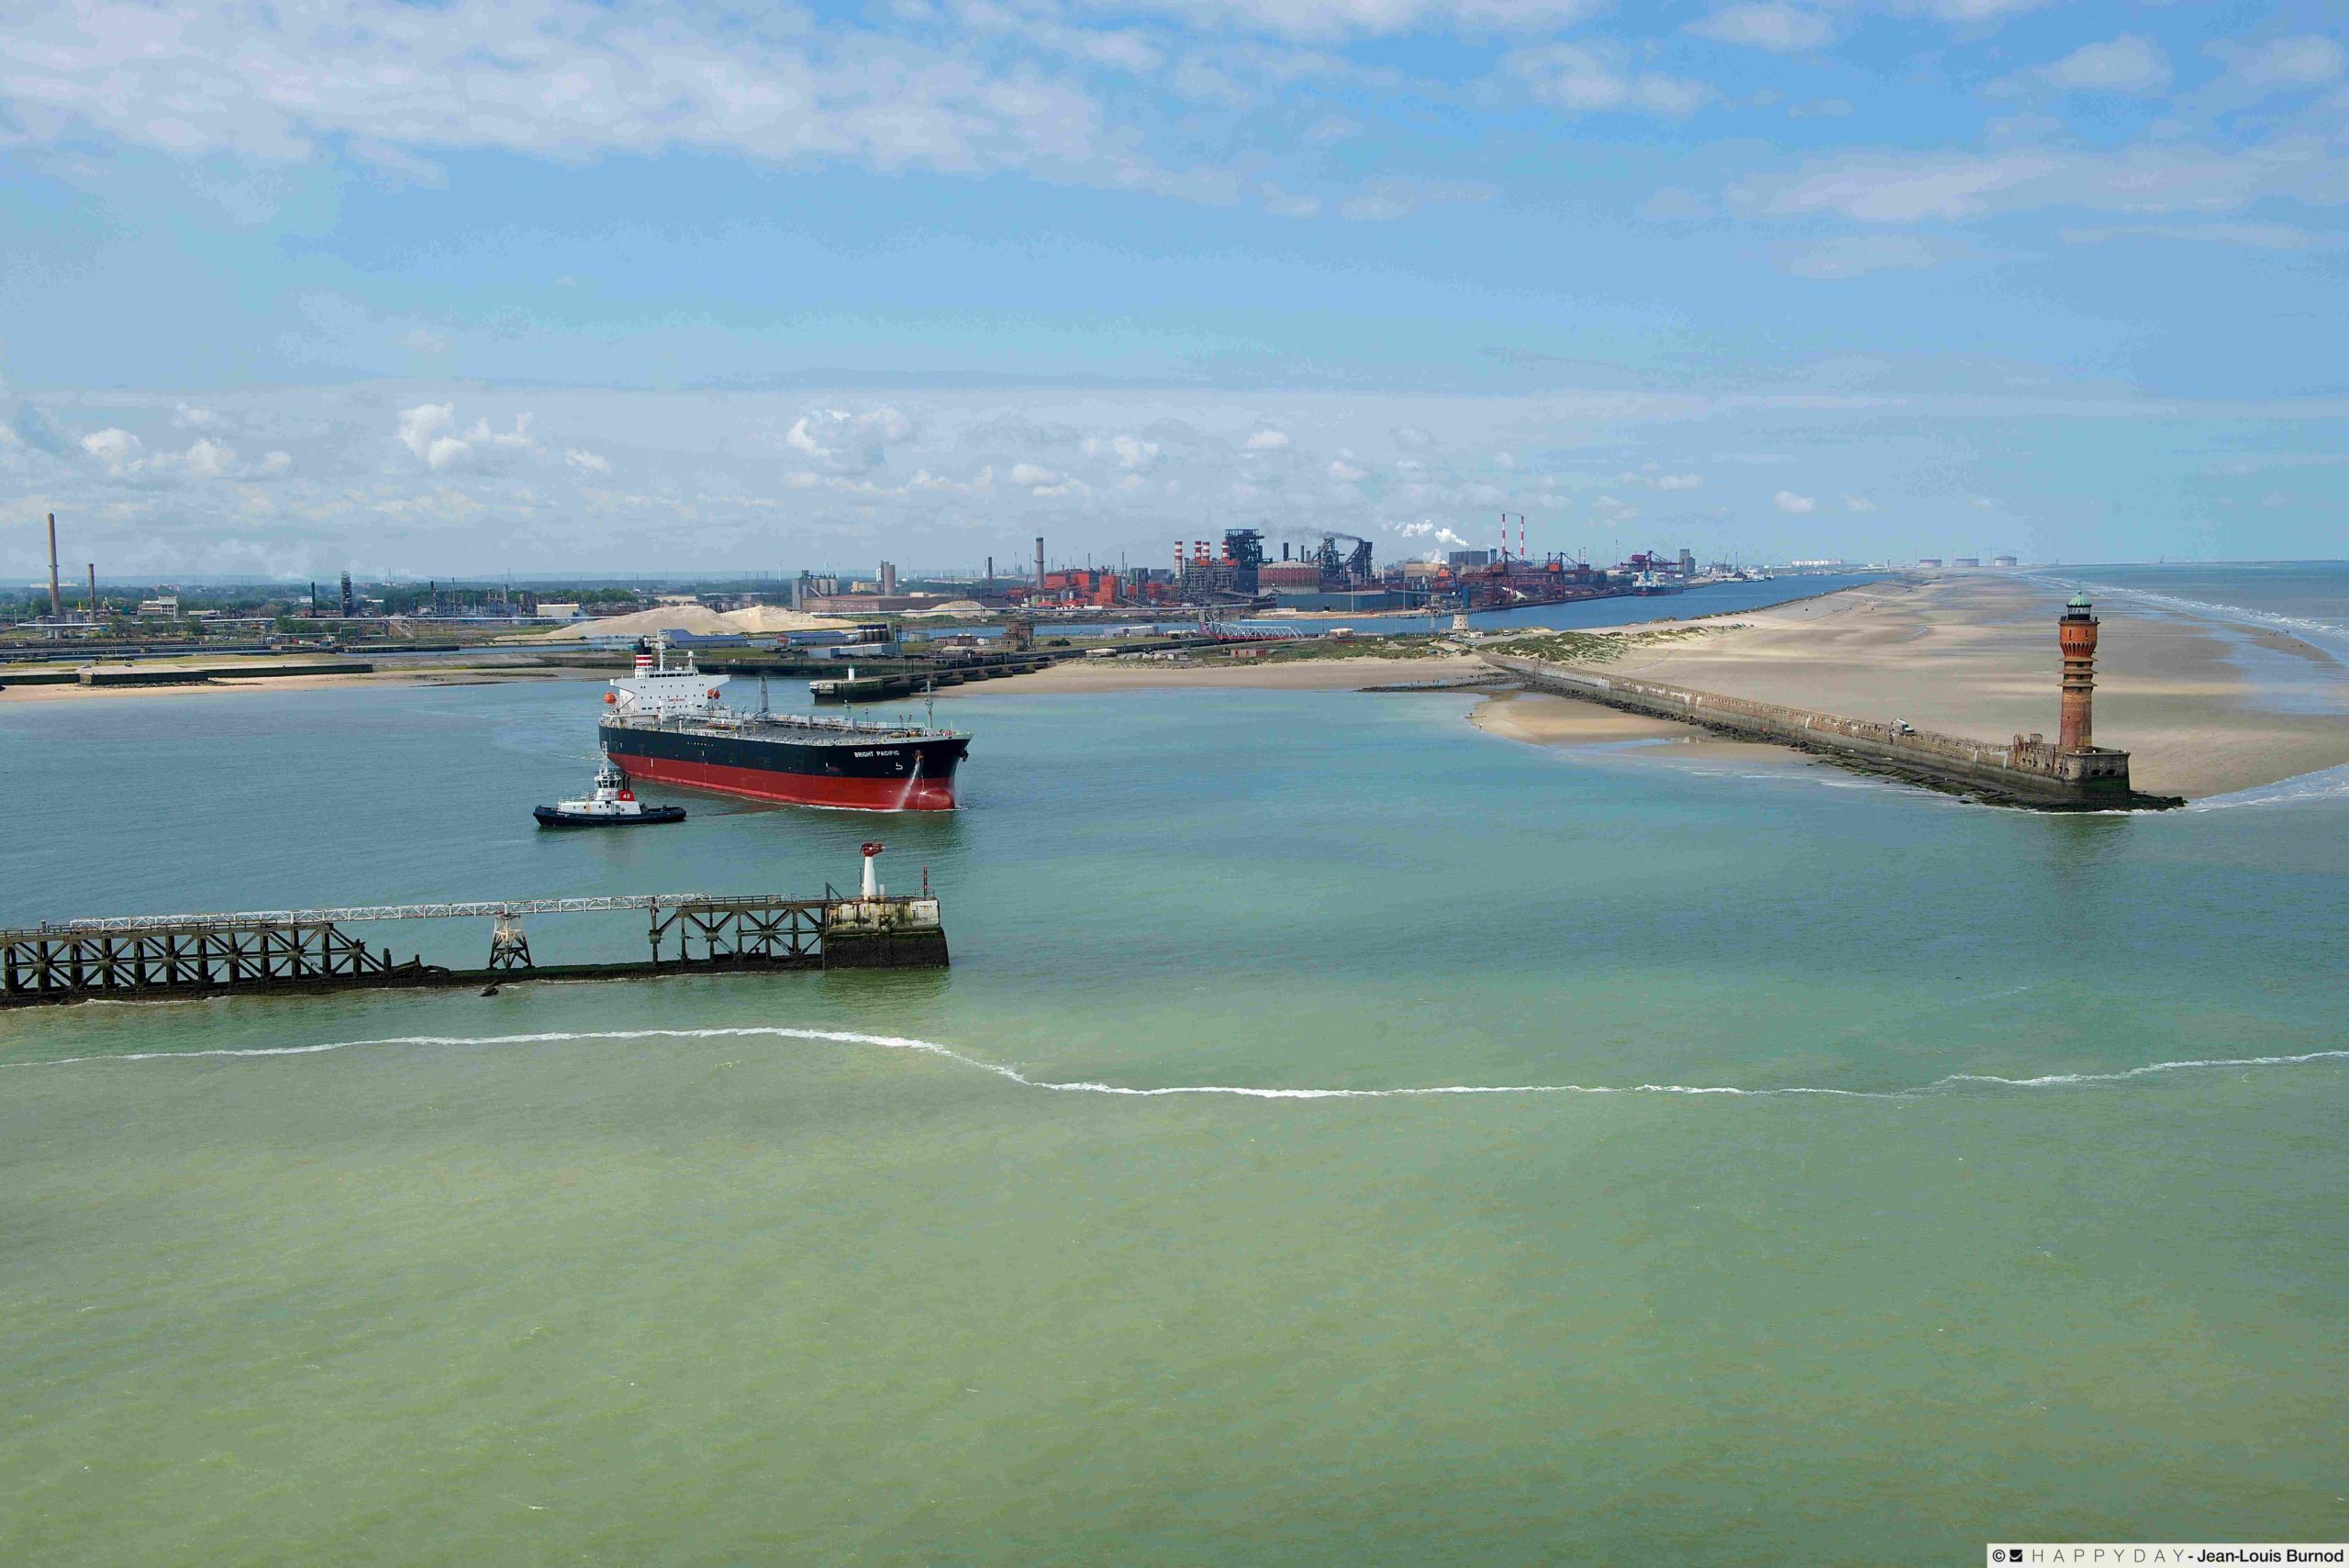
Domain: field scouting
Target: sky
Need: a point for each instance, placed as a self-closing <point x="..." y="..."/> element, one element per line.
<point x="534" y="287"/>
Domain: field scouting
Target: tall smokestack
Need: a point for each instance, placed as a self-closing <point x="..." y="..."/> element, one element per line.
<point x="56" y="599"/>
<point x="94" y="593"/>
<point x="1039" y="563"/>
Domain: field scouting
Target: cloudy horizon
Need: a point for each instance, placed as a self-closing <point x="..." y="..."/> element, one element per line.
<point x="549" y="288"/>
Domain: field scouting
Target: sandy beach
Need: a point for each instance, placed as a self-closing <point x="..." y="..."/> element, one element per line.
<point x="2204" y="705"/>
<point x="418" y="675"/>
<point x="1539" y="718"/>
<point x="1302" y="675"/>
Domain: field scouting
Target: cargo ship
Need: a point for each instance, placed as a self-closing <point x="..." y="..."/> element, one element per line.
<point x="668" y="721"/>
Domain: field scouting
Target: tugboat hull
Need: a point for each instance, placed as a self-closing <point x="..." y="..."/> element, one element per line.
<point x="551" y="817"/>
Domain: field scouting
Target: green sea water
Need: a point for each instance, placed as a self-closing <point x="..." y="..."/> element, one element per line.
<point x="1865" y="1176"/>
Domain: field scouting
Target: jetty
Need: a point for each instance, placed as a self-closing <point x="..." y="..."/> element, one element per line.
<point x="2069" y="774"/>
<point x="161" y="957"/>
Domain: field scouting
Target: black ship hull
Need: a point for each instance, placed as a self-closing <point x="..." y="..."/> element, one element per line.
<point x="857" y="773"/>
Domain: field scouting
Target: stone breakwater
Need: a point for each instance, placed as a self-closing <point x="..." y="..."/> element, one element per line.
<point x="2026" y="772"/>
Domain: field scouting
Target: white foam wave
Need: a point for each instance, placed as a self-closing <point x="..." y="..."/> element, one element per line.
<point x="1235" y="1090"/>
<point x="2325" y="783"/>
<point x="2215" y="1063"/>
<point x="2330" y="635"/>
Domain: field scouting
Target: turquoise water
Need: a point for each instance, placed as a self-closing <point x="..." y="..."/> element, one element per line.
<point x="1866" y="1174"/>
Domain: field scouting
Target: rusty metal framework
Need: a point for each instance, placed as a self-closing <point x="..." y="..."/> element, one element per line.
<point x="358" y="915"/>
<point x="52" y="963"/>
<point x="205" y="954"/>
<point x="730" y="930"/>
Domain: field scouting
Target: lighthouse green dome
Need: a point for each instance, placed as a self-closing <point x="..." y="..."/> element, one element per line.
<point x="2078" y="602"/>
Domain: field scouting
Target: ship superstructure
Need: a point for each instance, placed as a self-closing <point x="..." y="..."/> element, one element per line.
<point x="668" y="721"/>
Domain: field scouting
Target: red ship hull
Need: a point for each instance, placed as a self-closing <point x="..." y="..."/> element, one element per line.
<point x="792" y="789"/>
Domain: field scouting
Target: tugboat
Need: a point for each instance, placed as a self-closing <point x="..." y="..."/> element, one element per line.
<point x="613" y="805"/>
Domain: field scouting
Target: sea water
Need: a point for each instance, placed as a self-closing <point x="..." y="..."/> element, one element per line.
<point x="1343" y="1136"/>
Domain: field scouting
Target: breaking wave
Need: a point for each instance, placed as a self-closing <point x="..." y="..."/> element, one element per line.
<point x="2331" y="636"/>
<point x="2325" y="783"/>
<point x="1233" y="1091"/>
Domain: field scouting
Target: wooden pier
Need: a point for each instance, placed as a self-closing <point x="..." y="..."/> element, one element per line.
<point x="155" y="957"/>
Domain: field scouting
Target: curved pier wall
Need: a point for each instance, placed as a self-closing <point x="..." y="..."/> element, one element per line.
<point x="2020" y="774"/>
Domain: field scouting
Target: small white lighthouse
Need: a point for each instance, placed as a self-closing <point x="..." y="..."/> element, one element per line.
<point x="873" y="848"/>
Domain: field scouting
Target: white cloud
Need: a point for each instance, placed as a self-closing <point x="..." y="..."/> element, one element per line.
<point x="2284" y="64"/>
<point x="118" y="449"/>
<point x="188" y="418"/>
<point x="1342" y="472"/>
<point x="1798" y="505"/>
<point x="428" y="431"/>
<point x="2129" y="63"/>
<point x="1783" y="29"/>
<point x="1586" y="80"/>
<point x="1978" y="11"/>
<point x="1858" y="504"/>
<point x="1855" y="255"/>
<point x="593" y="462"/>
<point x="969" y="91"/>
<point x="1268" y="440"/>
<point x="2152" y="177"/>
<point x="1895" y="189"/>
<point x="847" y="440"/>
<point x="125" y="456"/>
<point x="1128" y="451"/>
<point x="207" y="458"/>
<point x="1337" y="19"/>
<point x="2253" y="236"/>
<point x="1680" y="481"/>
<point x="420" y="427"/>
<point x="1046" y="482"/>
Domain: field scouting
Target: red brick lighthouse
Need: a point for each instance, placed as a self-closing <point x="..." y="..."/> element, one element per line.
<point x="2078" y="632"/>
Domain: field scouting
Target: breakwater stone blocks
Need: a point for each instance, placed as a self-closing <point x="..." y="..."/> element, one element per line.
<point x="2026" y="772"/>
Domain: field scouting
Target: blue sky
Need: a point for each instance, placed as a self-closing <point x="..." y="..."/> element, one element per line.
<point x="543" y="287"/>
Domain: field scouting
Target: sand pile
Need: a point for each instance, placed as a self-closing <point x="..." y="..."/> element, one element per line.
<point x="759" y="620"/>
<point x="762" y="619"/>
